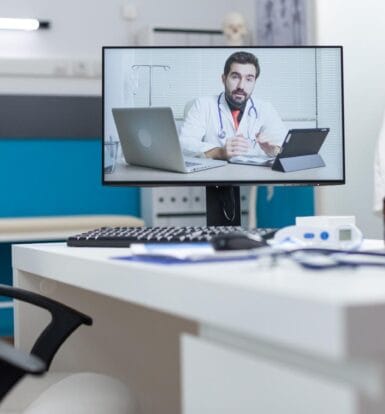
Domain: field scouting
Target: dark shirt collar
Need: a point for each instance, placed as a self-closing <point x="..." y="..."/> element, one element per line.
<point x="236" y="108"/>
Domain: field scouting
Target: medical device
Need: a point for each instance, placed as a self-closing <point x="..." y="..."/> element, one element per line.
<point x="332" y="232"/>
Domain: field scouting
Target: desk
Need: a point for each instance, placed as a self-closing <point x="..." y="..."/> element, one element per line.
<point x="253" y="338"/>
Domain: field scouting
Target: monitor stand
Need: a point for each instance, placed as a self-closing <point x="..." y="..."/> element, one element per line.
<point x="223" y="206"/>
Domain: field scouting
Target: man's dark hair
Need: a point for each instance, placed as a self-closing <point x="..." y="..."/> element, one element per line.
<point x="242" y="58"/>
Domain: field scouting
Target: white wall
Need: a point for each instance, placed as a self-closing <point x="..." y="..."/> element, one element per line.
<point x="82" y="27"/>
<point x="359" y="27"/>
<point x="78" y="31"/>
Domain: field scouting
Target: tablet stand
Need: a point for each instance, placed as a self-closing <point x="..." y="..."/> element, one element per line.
<point x="300" y="162"/>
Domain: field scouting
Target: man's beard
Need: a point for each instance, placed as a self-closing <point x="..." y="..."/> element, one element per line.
<point x="234" y="104"/>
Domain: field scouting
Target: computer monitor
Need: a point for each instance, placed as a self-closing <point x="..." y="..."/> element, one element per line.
<point x="221" y="117"/>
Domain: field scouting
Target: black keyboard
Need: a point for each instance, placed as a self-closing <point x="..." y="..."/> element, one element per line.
<point x="124" y="236"/>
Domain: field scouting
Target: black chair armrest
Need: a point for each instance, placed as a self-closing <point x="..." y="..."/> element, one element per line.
<point x="20" y="360"/>
<point x="14" y="364"/>
<point x="64" y="321"/>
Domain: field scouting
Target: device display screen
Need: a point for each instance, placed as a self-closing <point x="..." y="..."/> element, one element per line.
<point x="345" y="235"/>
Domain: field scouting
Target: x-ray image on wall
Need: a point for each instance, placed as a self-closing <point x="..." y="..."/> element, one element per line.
<point x="281" y="22"/>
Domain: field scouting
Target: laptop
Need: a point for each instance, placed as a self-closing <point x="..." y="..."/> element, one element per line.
<point x="299" y="150"/>
<point x="149" y="138"/>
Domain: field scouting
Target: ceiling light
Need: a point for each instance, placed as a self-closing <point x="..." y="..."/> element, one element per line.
<point x="22" y="24"/>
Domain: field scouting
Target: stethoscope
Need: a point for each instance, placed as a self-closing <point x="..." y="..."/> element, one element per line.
<point x="222" y="132"/>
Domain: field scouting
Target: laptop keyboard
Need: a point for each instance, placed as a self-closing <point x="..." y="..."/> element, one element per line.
<point x="191" y="164"/>
<point x="124" y="236"/>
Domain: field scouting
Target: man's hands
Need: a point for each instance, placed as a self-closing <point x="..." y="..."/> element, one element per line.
<point x="239" y="145"/>
<point x="234" y="146"/>
<point x="270" y="150"/>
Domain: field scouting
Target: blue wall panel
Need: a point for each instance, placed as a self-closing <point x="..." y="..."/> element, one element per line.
<point x="6" y="315"/>
<point x="284" y="206"/>
<point x="44" y="177"/>
<point x="5" y="264"/>
<point x="6" y="322"/>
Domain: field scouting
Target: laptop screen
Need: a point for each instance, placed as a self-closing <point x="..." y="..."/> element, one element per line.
<point x="227" y="104"/>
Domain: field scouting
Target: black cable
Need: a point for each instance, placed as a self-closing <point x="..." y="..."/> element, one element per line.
<point x="229" y="216"/>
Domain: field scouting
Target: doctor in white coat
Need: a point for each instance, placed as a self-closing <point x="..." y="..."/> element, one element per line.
<point x="233" y="123"/>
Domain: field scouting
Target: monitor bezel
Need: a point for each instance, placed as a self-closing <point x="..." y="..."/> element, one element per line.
<point x="169" y="183"/>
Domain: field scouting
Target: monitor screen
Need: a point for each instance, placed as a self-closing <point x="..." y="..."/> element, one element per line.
<point x="223" y="116"/>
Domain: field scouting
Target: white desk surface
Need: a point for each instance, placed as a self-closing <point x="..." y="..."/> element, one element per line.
<point x="229" y="172"/>
<point x="334" y="313"/>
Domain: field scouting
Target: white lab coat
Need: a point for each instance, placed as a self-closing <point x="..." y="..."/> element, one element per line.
<point x="379" y="170"/>
<point x="200" y="130"/>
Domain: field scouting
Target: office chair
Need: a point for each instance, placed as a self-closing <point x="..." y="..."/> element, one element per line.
<point x="78" y="393"/>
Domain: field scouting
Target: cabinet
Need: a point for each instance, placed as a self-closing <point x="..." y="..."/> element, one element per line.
<point x="222" y="379"/>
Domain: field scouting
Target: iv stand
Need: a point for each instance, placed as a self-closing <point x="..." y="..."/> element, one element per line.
<point x="150" y="69"/>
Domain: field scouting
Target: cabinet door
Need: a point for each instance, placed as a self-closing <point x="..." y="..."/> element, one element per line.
<point x="219" y="379"/>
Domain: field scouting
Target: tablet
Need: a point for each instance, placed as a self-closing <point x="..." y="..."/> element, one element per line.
<point x="300" y="149"/>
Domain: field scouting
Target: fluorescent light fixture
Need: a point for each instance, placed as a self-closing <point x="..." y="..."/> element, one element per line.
<point x="22" y="24"/>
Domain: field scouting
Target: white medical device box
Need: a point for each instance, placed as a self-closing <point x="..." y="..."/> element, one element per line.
<point x="336" y="232"/>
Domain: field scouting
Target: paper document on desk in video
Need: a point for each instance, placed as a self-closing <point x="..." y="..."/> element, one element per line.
<point x="252" y="160"/>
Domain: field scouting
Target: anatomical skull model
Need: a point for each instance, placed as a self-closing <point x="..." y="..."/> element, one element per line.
<point x="234" y="29"/>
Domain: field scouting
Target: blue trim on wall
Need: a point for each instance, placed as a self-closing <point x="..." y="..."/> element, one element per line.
<point x="6" y="325"/>
<point x="49" y="177"/>
<point x="6" y="315"/>
<point x="44" y="177"/>
<point x="5" y="263"/>
<point x="285" y="205"/>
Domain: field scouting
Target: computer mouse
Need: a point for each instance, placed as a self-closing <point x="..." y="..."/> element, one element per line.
<point x="237" y="241"/>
